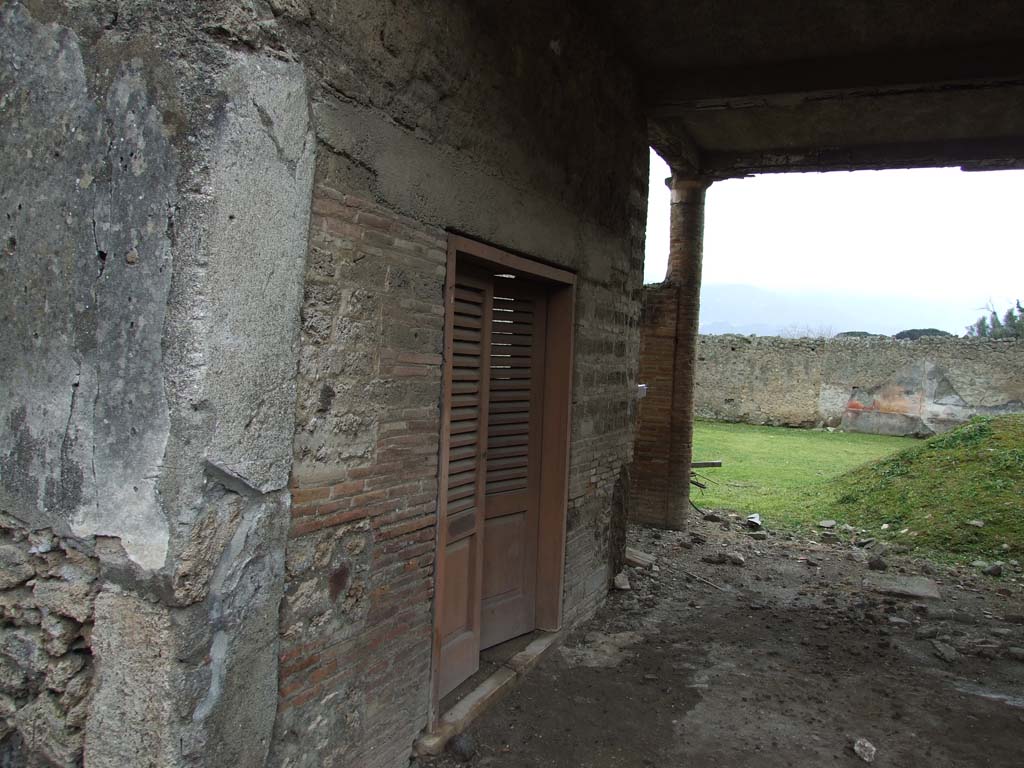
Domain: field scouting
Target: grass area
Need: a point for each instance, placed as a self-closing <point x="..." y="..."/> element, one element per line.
<point x="924" y="492"/>
<point x="770" y="469"/>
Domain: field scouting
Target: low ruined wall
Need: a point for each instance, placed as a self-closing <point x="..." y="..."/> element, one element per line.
<point x="877" y="385"/>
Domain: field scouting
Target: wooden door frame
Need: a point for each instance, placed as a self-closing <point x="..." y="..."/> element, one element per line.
<point x="555" y="434"/>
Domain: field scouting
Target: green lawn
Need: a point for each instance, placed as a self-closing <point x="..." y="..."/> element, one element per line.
<point x="924" y="492"/>
<point x="771" y="470"/>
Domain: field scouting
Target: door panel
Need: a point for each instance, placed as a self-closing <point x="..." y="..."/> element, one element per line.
<point x="512" y="501"/>
<point x="500" y="561"/>
<point x="464" y="446"/>
<point x="491" y="454"/>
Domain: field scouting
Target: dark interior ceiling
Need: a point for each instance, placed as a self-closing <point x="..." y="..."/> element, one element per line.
<point x="735" y="87"/>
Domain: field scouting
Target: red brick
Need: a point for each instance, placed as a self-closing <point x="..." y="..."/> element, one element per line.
<point x="309" y="525"/>
<point x="347" y="488"/>
<point x="304" y="495"/>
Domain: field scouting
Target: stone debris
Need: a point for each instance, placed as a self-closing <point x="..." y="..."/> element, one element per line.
<point x="462" y="747"/>
<point x="926" y="633"/>
<point x="976" y="523"/>
<point x="877" y="563"/>
<point x="713" y="517"/>
<point x="758" y="535"/>
<point x="945" y="651"/>
<point x="735" y="558"/>
<point x="979" y="564"/>
<point x="638" y="559"/>
<point x="621" y="582"/>
<point x="715" y="558"/>
<point x="865" y="750"/>
<point x="951" y="614"/>
<point x="1017" y="654"/>
<point x="865" y="542"/>
<point x="827" y="524"/>
<point x="913" y="587"/>
<point x="996" y="569"/>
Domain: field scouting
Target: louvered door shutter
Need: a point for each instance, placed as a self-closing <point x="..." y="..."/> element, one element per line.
<point x="512" y="499"/>
<point x="463" y="475"/>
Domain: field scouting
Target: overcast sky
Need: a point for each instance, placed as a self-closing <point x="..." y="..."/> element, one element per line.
<point x="932" y="234"/>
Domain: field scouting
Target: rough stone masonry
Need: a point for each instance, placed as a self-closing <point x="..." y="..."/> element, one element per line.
<point x="221" y="260"/>
<point x="878" y="385"/>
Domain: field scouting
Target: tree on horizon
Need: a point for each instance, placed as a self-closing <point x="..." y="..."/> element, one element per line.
<point x="991" y="326"/>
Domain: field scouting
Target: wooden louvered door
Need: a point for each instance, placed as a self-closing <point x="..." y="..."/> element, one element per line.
<point x="463" y="477"/>
<point x="513" y="468"/>
<point x="503" y="463"/>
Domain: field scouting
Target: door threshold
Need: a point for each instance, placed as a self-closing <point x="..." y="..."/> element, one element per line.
<point x="474" y="702"/>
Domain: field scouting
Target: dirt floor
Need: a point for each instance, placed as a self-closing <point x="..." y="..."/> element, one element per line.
<point x="798" y="655"/>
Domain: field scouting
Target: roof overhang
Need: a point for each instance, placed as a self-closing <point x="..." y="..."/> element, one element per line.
<point x="734" y="88"/>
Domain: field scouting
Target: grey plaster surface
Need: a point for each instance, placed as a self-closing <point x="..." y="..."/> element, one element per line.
<point x="87" y="187"/>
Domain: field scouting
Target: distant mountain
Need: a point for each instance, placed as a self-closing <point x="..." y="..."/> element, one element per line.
<point x="745" y="309"/>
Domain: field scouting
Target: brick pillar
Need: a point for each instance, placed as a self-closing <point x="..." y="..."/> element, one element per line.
<point x="686" y="254"/>
<point x="668" y="343"/>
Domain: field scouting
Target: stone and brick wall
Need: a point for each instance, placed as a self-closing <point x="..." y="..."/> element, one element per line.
<point x="475" y="125"/>
<point x="603" y="417"/>
<point x="258" y="486"/>
<point x="154" y="211"/>
<point x="47" y="592"/>
<point x="879" y="385"/>
<point x="651" y="478"/>
<point x="356" y="617"/>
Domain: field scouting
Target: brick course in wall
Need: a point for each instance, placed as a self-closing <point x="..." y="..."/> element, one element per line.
<point x="426" y="123"/>
<point x="604" y="385"/>
<point x="651" y="480"/>
<point x="356" y="618"/>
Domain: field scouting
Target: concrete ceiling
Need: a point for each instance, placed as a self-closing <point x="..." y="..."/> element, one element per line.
<point x="734" y="87"/>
